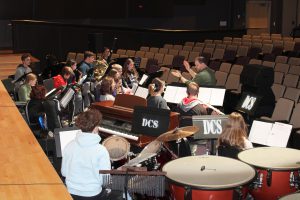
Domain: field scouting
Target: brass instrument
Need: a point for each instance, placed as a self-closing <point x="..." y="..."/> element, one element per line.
<point x="100" y="67"/>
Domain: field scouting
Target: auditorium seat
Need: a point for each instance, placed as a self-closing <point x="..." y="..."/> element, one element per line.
<point x="287" y="38"/>
<point x="255" y="62"/>
<point x="140" y="54"/>
<point x="178" y="62"/>
<point x="295" y="118"/>
<point x="225" y="67"/>
<point x="294" y="61"/>
<point x="278" y="43"/>
<point x="217" y="41"/>
<point x="163" y="50"/>
<point x="159" y="57"/>
<point x="198" y="49"/>
<point x="71" y="55"/>
<point x="292" y="94"/>
<point x="278" y="90"/>
<point x="121" y="51"/>
<point x="291" y="80"/>
<point x="227" y="42"/>
<point x="143" y="48"/>
<point x="221" y="46"/>
<point x="281" y="59"/>
<point x="208" y="51"/>
<point x="154" y="49"/>
<point x="152" y="65"/>
<point x="124" y="56"/>
<point x="184" y="53"/>
<point x="114" y="56"/>
<point x="208" y="41"/>
<point x="168" y="46"/>
<point x="296" y="39"/>
<point x="233" y="82"/>
<point x="236" y="43"/>
<point x="278" y="77"/>
<point x="168" y="59"/>
<point x="268" y="64"/>
<point x="283" y="110"/>
<point x="232" y="47"/>
<point x="288" y="46"/>
<point x="267" y="41"/>
<point x="166" y="72"/>
<point x="218" y="54"/>
<point x="189" y="44"/>
<point x="297" y="47"/>
<point x="244" y="60"/>
<point x="187" y="48"/>
<point x="149" y="54"/>
<point x="173" y="52"/>
<point x="280" y="67"/>
<point x="294" y="69"/>
<point x="246" y="40"/>
<point x="236" y="69"/>
<point x="177" y="47"/>
<point x="267" y="48"/>
<point x="192" y="56"/>
<point x="210" y="46"/>
<point x="79" y="57"/>
<point x="236" y="39"/>
<point x="227" y="39"/>
<point x="172" y="78"/>
<point x="248" y="44"/>
<point x="199" y="44"/>
<point x="221" y="78"/>
<point x="143" y="63"/>
<point x="257" y="42"/>
<point x="242" y="51"/>
<point x="130" y="53"/>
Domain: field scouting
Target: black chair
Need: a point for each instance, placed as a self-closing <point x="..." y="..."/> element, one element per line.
<point x="228" y="151"/>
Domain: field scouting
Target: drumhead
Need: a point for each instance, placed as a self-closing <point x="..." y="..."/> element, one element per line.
<point x="117" y="147"/>
<point x="209" y="172"/>
<point x="295" y="196"/>
<point x="275" y="158"/>
<point x="152" y="147"/>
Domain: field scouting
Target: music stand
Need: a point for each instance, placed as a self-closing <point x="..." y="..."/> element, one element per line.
<point x="62" y="136"/>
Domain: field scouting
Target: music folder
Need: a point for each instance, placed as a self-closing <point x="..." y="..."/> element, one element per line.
<point x="210" y="126"/>
<point x="150" y="121"/>
<point x="62" y="137"/>
<point x="273" y="134"/>
<point x="140" y="91"/>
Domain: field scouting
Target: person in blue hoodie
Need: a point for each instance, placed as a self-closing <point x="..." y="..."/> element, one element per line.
<point x="84" y="157"/>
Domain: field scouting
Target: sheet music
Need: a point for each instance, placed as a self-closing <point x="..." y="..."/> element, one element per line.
<point x="180" y="94"/>
<point x="67" y="98"/>
<point x="134" y="87"/>
<point x="48" y="93"/>
<point x="142" y="92"/>
<point x="204" y="94"/>
<point x="143" y="79"/>
<point x="169" y="94"/>
<point x="82" y="79"/>
<point x="65" y="138"/>
<point x="279" y="135"/>
<point x="217" y="96"/>
<point x="260" y="131"/>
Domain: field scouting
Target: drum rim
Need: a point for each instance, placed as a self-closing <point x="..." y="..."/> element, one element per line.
<point x="267" y="168"/>
<point x="214" y="189"/>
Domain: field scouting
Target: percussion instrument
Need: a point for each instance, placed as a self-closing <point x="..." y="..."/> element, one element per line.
<point x="295" y="196"/>
<point x="118" y="149"/>
<point x="208" y="177"/>
<point x="277" y="171"/>
<point x="178" y="133"/>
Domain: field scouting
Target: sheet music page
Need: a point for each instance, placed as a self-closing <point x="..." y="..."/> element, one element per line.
<point x="65" y="138"/>
<point x="279" y="135"/>
<point x="82" y="79"/>
<point x="134" y="87"/>
<point x="170" y="93"/>
<point x="143" y="79"/>
<point x="204" y="94"/>
<point x="260" y="132"/>
<point x="141" y="92"/>
<point x="180" y="94"/>
<point x="217" y="96"/>
<point x="67" y="98"/>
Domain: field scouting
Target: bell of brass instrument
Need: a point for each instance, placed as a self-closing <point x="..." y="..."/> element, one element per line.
<point x="100" y="68"/>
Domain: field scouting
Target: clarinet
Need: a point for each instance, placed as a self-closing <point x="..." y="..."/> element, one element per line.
<point x="213" y="108"/>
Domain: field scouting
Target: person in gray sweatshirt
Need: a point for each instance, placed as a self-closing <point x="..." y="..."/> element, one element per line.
<point x="155" y="100"/>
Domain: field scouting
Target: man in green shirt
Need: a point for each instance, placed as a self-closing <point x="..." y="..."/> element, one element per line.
<point x="204" y="76"/>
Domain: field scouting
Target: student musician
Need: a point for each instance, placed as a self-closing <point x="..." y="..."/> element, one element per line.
<point x="77" y="74"/>
<point x="22" y="69"/>
<point x="130" y="74"/>
<point x="87" y="65"/>
<point x="62" y="79"/>
<point x="84" y="157"/>
<point x="119" y="89"/>
<point x="106" y="55"/>
<point x="25" y="89"/>
<point x="234" y="137"/>
<point x="106" y="89"/>
<point x="155" y="100"/>
<point x="203" y="76"/>
<point x="35" y="105"/>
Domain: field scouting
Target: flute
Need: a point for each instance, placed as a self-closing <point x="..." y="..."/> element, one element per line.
<point x="213" y="108"/>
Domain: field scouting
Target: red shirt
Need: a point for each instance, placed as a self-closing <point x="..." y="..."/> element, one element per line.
<point x="59" y="81"/>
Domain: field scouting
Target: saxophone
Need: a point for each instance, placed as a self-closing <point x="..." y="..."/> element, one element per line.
<point x="100" y="67"/>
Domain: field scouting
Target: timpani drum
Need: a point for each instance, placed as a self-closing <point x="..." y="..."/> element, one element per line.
<point x="295" y="196"/>
<point x="208" y="178"/>
<point x="277" y="171"/>
<point x="118" y="149"/>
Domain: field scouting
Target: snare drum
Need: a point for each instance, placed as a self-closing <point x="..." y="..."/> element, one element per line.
<point x="295" y="196"/>
<point x="208" y="178"/>
<point x="118" y="148"/>
<point x="277" y="171"/>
